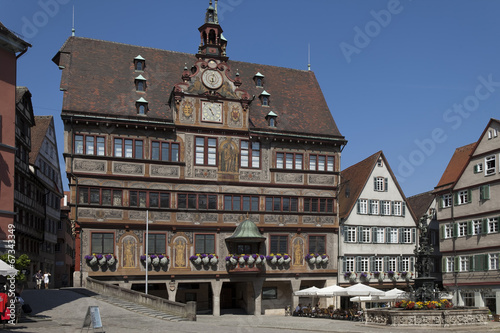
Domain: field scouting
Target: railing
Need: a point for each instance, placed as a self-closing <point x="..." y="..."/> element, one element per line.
<point x="187" y="310"/>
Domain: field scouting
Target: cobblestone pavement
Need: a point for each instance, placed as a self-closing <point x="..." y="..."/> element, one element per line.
<point x="58" y="311"/>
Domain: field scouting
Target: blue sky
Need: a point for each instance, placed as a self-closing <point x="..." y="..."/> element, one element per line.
<point x="415" y="79"/>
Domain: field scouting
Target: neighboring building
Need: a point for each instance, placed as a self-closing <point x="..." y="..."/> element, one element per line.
<point x="11" y="48"/>
<point x="29" y="204"/>
<point x="45" y="160"/>
<point x="227" y="157"/>
<point x="65" y="247"/>
<point x="425" y="204"/>
<point x="468" y="214"/>
<point x="377" y="227"/>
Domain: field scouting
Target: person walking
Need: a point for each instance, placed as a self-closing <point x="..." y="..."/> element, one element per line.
<point x="46" y="279"/>
<point x="39" y="278"/>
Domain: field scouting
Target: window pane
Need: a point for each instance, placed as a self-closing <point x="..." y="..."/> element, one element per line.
<point x="246" y="203"/>
<point x="228" y="202"/>
<point x="164" y="200"/>
<point x="212" y="202"/>
<point x="100" y="146"/>
<point x="175" y="152"/>
<point x="78" y="144"/>
<point x="329" y="166"/>
<point x="94" y="196"/>
<point x="106" y="197"/>
<point x="279" y="160"/>
<point x="153" y="199"/>
<point x="286" y="204"/>
<point x="191" y="201"/>
<point x="181" y="200"/>
<point x="276" y="204"/>
<point x="164" y="151"/>
<point x="118" y="148"/>
<point x="269" y="204"/>
<point x="142" y="199"/>
<point x="155" y="150"/>
<point x="255" y="204"/>
<point x="289" y="161"/>
<point x="202" y="201"/>
<point x="293" y="205"/>
<point x="84" y="195"/>
<point x="237" y="203"/>
<point x="322" y="205"/>
<point x="128" y="148"/>
<point x="312" y="162"/>
<point x="298" y="161"/>
<point x="321" y="163"/>
<point x="108" y="243"/>
<point x="89" y="145"/>
<point x="138" y="149"/>
<point x="133" y="198"/>
<point x="117" y="198"/>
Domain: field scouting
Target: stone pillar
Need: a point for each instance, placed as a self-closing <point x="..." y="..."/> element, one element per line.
<point x="216" y="289"/>
<point x="295" y="287"/>
<point x="257" y="294"/>
<point x="172" y="289"/>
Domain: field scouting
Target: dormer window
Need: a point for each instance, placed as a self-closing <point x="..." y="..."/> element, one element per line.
<point x="140" y="83"/>
<point x="264" y="98"/>
<point x="142" y="106"/>
<point x="139" y="63"/>
<point x="271" y="119"/>
<point x="259" y="80"/>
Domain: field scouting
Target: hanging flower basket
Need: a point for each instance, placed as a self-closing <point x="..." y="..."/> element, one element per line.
<point x="365" y="276"/>
<point x="324" y="258"/>
<point x="91" y="260"/>
<point x="391" y="275"/>
<point x="286" y="259"/>
<point x="146" y="260"/>
<point x="111" y="259"/>
<point x="213" y="259"/>
<point x="101" y="259"/>
<point x="155" y="260"/>
<point x="311" y="258"/>
<point x="251" y="260"/>
<point x="163" y="259"/>
<point x="259" y="259"/>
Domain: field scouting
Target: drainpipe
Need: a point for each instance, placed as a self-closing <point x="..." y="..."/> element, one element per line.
<point x="455" y="271"/>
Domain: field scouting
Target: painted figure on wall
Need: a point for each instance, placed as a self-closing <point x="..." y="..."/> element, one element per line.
<point x="128" y="250"/>
<point x="228" y="157"/>
<point x="298" y="254"/>
<point x="180" y="253"/>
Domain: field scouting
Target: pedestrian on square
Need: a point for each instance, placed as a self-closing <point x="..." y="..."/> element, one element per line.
<point x="46" y="279"/>
<point x="39" y="278"/>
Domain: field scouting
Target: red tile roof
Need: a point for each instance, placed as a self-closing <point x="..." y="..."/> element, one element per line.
<point x="100" y="81"/>
<point x="455" y="167"/>
<point x="421" y="203"/>
<point x="38" y="133"/>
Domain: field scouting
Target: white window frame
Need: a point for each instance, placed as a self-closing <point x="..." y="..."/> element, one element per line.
<point x="450" y="264"/>
<point x="477" y="227"/>
<point x="351" y="234"/>
<point x="365" y="234"/>
<point x="378" y="264"/>
<point x="374" y="207"/>
<point x="386" y="207"/>
<point x="463" y="197"/>
<point x="405" y="264"/>
<point x="397" y="208"/>
<point x="407" y="235"/>
<point x="364" y="264"/>
<point x="392" y="264"/>
<point x="492" y="225"/>
<point x="489" y="165"/>
<point x="462" y="229"/>
<point x="363" y="206"/>
<point x="493" y="261"/>
<point x="448" y="231"/>
<point x="349" y="264"/>
<point x="447" y="200"/>
<point x="379" y="235"/>
<point x="379" y="184"/>
<point x="393" y="236"/>
<point x="464" y="263"/>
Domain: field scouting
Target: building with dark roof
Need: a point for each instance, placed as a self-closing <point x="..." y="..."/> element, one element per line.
<point x="469" y="221"/>
<point x="11" y="48"/>
<point x="377" y="227"/>
<point x="224" y="158"/>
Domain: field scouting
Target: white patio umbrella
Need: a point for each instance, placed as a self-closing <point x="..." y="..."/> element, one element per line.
<point x="360" y="289"/>
<point x="329" y="291"/>
<point x="6" y="269"/>
<point x="307" y="292"/>
<point x="392" y="295"/>
<point x="359" y="299"/>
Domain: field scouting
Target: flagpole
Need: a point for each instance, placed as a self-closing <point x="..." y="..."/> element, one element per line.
<point x="147" y="239"/>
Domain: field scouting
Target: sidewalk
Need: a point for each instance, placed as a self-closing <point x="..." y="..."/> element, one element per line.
<point x="58" y="311"/>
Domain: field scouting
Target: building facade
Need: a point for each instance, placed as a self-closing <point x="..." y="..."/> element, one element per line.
<point x="234" y="169"/>
<point x="44" y="159"/>
<point x="468" y="215"/>
<point x="377" y="227"/>
<point x="11" y="48"/>
<point x="65" y="247"/>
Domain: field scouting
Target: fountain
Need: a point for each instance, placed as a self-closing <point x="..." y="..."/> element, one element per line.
<point x="424" y="306"/>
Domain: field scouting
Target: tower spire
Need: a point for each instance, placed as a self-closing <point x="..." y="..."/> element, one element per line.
<point x="73" y="24"/>
<point x="213" y="44"/>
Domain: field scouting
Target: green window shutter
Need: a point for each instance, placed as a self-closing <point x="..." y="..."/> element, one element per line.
<point x="456" y="264"/>
<point x="486" y="192"/>
<point x="386" y="264"/>
<point x="372" y="263"/>
<point x="469" y="196"/>
<point x="399" y="263"/>
<point x="386" y="184"/>
<point x="392" y="207"/>
<point x="474" y="263"/>
<point x="475" y="169"/>
<point x="358" y="264"/>
<point x="387" y="234"/>
<point x="455" y="199"/>
<point x="359" y="208"/>
<point x="498" y="225"/>
<point x="481" y="193"/>
<point x="484" y="226"/>
<point x="413" y="235"/>
<point x="469" y="228"/>
<point x="412" y="264"/>
<point x="400" y="234"/>
<point x="441" y="232"/>
<point x="403" y="209"/>
<point x="444" y="266"/>
<point x="374" y="234"/>
<point x="440" y="201"/>
<point x="374" y="183"/>
<point x="345" y="234"/>
<point x="344" y="264"/>
<point x="455" y="230"/>
<point x="359" y="234"/>
<point x="370" y="206"/>
<point x="486" y="262"/>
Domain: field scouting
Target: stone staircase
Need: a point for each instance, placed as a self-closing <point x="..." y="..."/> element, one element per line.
<point x="144" y="310"/>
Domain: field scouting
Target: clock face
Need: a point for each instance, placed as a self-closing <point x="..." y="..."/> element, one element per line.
<point x="212" y="79"/>
<point x="211" y="112"/>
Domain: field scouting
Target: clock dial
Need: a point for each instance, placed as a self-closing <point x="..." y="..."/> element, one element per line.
<point x="212" y="79"/>
<point x="211" y="112"/>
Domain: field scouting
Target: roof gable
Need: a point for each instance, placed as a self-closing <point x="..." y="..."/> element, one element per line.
<point x="455" y="167"/>
<point x="421" y="203"/>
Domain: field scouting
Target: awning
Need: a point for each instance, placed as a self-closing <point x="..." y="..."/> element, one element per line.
<point x="6" y="269"/>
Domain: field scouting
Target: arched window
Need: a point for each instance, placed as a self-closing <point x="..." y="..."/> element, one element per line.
<point x="265" y="100"/>
<point x="272" y="122"/>
<point x="140" y="85"/>
<point x="142" y="109"/>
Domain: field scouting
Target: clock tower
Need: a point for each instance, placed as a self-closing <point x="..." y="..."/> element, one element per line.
<point x="213" y="44"/>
